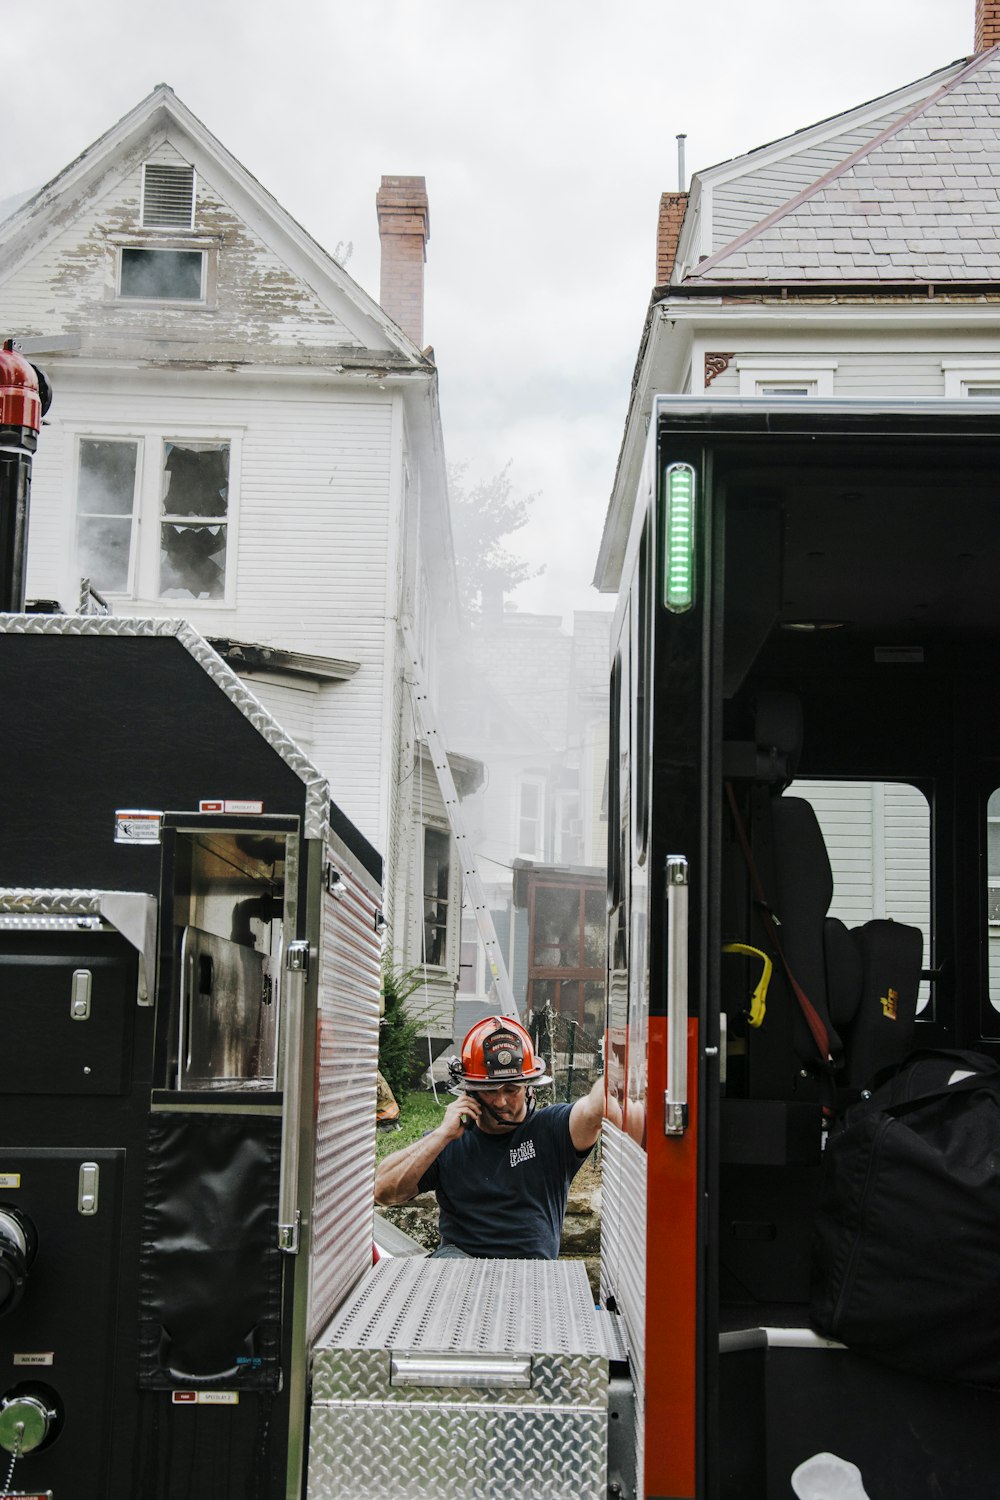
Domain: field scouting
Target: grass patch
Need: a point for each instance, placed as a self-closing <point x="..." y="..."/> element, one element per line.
<point x="417" y="1115"/>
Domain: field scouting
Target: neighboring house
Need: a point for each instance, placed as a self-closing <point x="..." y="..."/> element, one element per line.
<point x="242" y="436"/>
<point x="531" y="706"/>
<point x="859" y="257"/>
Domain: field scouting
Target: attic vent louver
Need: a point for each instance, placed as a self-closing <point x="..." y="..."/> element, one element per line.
<point x="167" y="196"/>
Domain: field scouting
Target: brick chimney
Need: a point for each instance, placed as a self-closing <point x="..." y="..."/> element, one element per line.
<point x="987" y="24"/>
<point x="404" y="228"/>
<point x="668" y="232"/>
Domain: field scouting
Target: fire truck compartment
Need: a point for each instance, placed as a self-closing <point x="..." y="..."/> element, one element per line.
<point x="464" y="1378"/>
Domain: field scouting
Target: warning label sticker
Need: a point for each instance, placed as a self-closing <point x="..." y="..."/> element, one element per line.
<point x="230" y="805"/>
<point x="137" y="825"/>
<point x="205" y="1398"/>
<point x="10" y="1180"/>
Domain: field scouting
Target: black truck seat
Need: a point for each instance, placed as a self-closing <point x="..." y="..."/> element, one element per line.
<point x="861" y="982"/>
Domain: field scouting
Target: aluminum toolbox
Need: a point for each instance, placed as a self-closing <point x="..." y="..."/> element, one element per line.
<point x="465" y="1378"/>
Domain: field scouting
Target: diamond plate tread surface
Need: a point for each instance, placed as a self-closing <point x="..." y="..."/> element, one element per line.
<point x="348" y="1377"/>
<point x="461" y="1452"/>
<point x="474" y="1306"/>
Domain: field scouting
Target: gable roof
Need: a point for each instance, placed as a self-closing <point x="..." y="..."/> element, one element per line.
<point x="914" y="197"/>
<point x="161" y="116"/>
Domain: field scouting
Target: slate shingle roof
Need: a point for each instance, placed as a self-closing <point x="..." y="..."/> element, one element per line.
<point x="921" y="202"/>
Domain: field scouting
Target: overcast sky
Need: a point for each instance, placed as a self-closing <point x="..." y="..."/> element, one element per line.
<point x="546" y="132"/>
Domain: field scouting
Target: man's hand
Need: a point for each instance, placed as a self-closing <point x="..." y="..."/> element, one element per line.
<point x="462" y="1113"/>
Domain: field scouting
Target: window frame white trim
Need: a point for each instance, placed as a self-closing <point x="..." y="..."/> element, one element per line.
<point x="453" y="919"/>
<point x="144" y="550"/>
<point x="538" y="782"/>
<point x="775" y="369"/>
<point x="961" y="374"/>
<point x="154" y="240"/>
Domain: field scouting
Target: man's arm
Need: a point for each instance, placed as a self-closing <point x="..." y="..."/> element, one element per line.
<point x="587" y="1113"/>
<point x="399" y="1173"/>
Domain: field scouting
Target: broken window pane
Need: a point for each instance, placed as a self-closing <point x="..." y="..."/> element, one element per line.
<point x="166" y="275"/>
<point x="437" y="881"/>
<point x="192" y="553"/>
<point x="105" y="504"/>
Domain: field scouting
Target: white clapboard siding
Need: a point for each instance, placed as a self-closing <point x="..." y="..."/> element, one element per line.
<point x="994" y="963"/>
<point x="292" y="704"/>
<point x="875" y="374"/>
<point x="309" y="518"/>
<point x="878" y="838"/>
<point x="258" y="303"/>
<point x="889" y="375"/>
<point x="743" y="201"/>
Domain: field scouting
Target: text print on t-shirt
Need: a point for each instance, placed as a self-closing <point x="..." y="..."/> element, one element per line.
<point x="521" y="1153"/>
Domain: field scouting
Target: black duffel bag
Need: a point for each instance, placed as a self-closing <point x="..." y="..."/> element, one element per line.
<point x="906" y="1257"/>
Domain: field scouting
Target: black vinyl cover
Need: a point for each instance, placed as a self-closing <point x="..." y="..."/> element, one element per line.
<point x="881" y="1031"/>
<point x="210" y="1291"/>
<point x="906" y="1265"/>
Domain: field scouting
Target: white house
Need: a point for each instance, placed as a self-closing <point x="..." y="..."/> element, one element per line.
<point x="531" y="707"/>
<point x="242" y="436"/>
<point x="858" y="257"/>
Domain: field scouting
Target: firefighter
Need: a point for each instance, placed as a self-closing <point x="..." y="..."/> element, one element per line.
<point x="500" y="1169"/>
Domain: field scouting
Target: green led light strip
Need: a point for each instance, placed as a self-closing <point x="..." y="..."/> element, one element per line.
<point x="678" y="569"/>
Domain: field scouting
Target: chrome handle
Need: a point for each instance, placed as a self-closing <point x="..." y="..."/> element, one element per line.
<point x="184" y="1010"/>
<point x="675" y="1118"/>
<point x="289" y="1217"/>
<point x="490" y="1371"/>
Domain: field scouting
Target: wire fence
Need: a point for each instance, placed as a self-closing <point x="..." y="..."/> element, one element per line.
<point x="572" y="1053"/>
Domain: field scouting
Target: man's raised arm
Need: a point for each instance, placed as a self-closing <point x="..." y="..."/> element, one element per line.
<point x="587" y="1114"/>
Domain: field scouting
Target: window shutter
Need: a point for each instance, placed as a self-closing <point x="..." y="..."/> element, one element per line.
<point x="167" y="196"/>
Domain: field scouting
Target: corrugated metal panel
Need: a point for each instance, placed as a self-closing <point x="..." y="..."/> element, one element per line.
<point x="347" y="1063"/>
<point x="623" y="1254"/>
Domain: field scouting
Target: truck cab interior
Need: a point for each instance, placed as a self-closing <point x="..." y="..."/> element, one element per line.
<point x="855" y="624"/>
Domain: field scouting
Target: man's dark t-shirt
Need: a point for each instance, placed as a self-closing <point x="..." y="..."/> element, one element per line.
<point x="505" y="1195"/>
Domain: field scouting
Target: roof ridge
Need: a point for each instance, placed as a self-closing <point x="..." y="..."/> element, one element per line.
<point x="777" y="214"/>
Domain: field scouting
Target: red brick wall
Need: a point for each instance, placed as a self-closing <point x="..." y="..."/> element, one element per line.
<point x="668" y="229"/>
<point x="987" y="24"/>
<point x="404" y="229"/>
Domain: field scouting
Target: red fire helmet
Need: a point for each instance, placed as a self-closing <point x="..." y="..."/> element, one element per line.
<point x="498" y="1050"/>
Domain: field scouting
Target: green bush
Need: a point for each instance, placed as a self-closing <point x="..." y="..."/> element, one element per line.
<point x="400" y="1029"/>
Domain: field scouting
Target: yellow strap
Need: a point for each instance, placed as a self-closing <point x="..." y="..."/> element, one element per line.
<point x="758" y="1000"/>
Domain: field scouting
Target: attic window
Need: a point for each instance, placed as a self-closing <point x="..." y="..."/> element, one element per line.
<point x="167" y="196"/>
<point x="162" y="275"/>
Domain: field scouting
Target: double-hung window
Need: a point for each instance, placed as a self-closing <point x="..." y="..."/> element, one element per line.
<point x="154" y="515"/>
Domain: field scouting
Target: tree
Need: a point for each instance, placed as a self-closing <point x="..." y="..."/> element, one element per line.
<point x="482" y="516"/>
